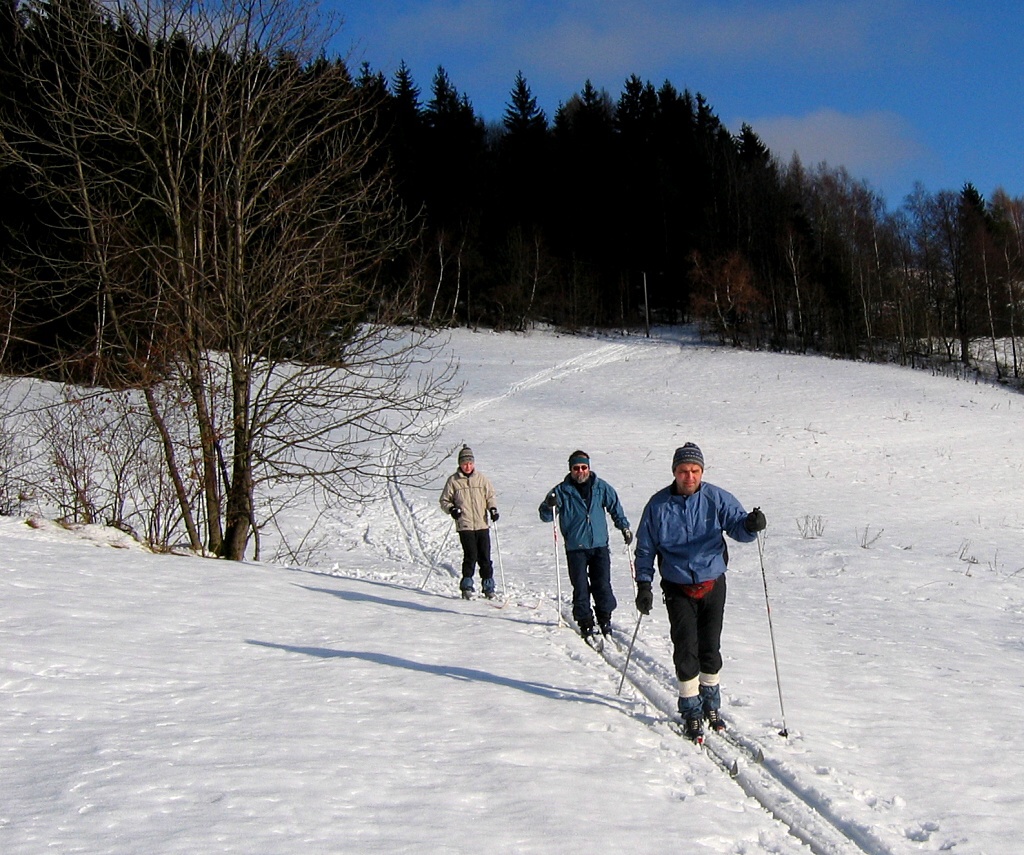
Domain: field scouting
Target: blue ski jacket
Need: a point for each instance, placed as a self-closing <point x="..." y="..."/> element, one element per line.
<point x="583" y="526"/>
<point x="685" y="534"/>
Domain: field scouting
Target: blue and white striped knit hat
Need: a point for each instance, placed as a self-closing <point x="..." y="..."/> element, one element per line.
<point x="687" y="453"/>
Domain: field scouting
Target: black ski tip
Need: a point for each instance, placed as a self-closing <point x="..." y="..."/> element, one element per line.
<point x="734" y="770"/>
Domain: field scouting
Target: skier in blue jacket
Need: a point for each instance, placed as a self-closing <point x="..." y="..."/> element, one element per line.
<point x="683" y="530"/>
<point x="581" y="501"/>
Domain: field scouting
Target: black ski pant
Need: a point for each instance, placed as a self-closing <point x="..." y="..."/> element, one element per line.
<point x="696" y="629"/>
<point x="476" y="549"/>
<point x="590" y="572"/>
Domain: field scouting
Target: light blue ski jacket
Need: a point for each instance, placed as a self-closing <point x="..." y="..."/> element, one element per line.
<point x="685" y="534"/>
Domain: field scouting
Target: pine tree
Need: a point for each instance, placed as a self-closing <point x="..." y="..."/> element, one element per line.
<point x="455" y="148"/>
<point x="523" y="118"/>
<point x="406" y="136"/>
<point x="524" y="158"/>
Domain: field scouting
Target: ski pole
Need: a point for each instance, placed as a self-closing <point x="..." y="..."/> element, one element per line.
<point x="771" y="632"/>
<point x="444" y="543"/>
<point x="629" y="654"/>
<point x="497" y="549"/>
<point x="558" y="572"/>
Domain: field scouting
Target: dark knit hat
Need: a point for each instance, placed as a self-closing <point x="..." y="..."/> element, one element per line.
<point x="578" y="457"/>
<point x="466" y="455"/>
<point x="687" y="453"/>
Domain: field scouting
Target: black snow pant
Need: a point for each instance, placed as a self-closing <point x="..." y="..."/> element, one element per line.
<point x="476" y="549"/>
<point x="590" y="572"/>
<point x="696" y="629"/>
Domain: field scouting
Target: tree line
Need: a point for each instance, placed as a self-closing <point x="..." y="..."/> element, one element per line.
<point x="255" y="244"/>
<point x="646" y="207"/>
<point x="614" y="212"/>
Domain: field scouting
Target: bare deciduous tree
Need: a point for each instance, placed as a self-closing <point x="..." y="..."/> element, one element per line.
<point x="232" y="219"/>
<point x="723" y="295"/>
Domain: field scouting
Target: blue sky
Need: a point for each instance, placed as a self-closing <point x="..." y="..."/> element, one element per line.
<point x="897" y="91"/>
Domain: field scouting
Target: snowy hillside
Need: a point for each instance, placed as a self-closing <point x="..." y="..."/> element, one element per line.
<point x="158" y="704"/>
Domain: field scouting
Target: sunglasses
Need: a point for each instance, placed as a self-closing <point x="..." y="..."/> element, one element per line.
<point x="580" y="467"/>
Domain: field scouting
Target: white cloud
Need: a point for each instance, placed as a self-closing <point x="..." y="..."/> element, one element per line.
<point x="692" y="43"/>
<point x="874" y="144"/>
<point x="595" y="37"/>
<point x="630" y="35"/>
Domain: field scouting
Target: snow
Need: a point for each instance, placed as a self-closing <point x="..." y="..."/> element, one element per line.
<point x="166" y="704"/>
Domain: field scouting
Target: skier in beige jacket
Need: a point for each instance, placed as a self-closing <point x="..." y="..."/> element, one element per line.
<point x="469" y="498"/>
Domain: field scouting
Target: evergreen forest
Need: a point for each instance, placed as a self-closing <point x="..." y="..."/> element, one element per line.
<point x="150" y="204"/>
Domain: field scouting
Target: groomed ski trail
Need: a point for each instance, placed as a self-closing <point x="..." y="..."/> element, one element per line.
<point x="422" y="546"/>
<point x="592" y="359"/>
<point x="805" y="811"/>
<point x="781" y="791"/>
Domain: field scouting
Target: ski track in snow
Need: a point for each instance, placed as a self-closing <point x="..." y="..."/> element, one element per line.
<point x="603" y="355"/>
<point x="405" y="515"/>
<point x="803" y="809"/>
<point x="808" y="813"/>
<point x="747" y="759"/>
<point x="782" y="791"/>
<point x="415" y="535"/>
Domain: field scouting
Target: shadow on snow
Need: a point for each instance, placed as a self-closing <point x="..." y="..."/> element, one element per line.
<point x="452" y="672"/>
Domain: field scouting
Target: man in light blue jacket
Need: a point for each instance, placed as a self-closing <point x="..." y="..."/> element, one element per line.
<point x="683" y="530"/>
<point x="581" y="501"/>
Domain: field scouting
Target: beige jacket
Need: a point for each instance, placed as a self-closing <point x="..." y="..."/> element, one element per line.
<point x="473" y="494"/>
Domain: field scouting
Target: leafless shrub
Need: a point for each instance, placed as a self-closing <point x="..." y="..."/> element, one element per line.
<point x="230" y="256"/>
<point x="866" y="539"/>
<point x="102" y="463"/>
<point x="811" y="526"/>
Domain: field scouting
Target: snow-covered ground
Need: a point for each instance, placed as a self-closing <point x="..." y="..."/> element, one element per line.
<point x="158" y="704"/>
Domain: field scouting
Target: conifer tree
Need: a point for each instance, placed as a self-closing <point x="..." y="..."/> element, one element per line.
<point x="523" y="118"/>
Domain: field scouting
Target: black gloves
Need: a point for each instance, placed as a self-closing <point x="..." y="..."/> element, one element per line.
<point x="494" y="514"/>
<point x="550" y="499"/>
<point x="456" y="512"/>
<point x="644" y="598"/>
<point x="627" y="536"/>
<point x="755" y="521"/>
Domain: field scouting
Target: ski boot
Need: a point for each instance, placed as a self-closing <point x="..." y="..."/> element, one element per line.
<point x="693" y="728"/>
<point x="692" y="712"/>
<point x="466" y="586"/>
<point x="487" y="586"/>
<point x="715" y="720"/>
<point x="711" y="702"/>
<point x="592" y="636"/>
